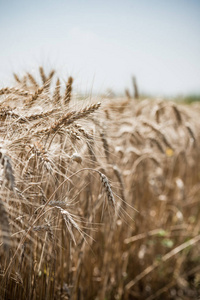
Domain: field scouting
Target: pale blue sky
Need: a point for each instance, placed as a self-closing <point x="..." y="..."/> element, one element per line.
<point x="102" y="43"/>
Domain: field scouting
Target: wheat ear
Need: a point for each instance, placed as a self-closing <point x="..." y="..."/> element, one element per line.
<point x="42" y="74"/>
<point x="72" y="116"/>
<point x="32" y="80"/>
<point x="16" y="91"/>
<point x="56" y="96"/>
<point x="16" y="78"/>
<point x="68" y="91"/>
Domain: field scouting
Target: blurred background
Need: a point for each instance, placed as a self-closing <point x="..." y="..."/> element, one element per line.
<point x="103" y="43"/>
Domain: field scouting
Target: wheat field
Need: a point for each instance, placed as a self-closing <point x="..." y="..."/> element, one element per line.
<point x="100" y="197"/>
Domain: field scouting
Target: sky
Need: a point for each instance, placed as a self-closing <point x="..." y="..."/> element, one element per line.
<point x="102" y="44"/>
